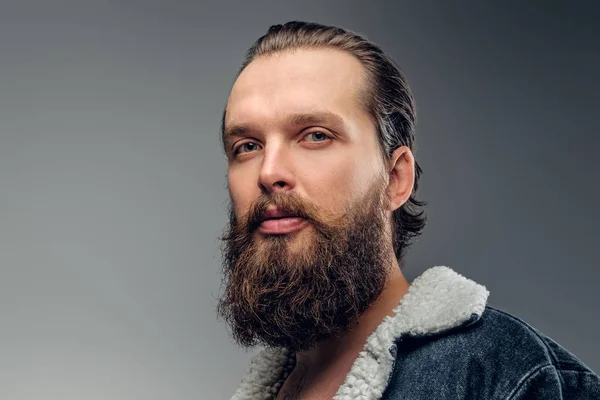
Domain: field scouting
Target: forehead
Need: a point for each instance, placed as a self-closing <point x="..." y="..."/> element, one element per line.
<point x="301" y="81"/>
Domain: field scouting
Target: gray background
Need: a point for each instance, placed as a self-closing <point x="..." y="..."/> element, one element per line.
<point x="113" y="185"/>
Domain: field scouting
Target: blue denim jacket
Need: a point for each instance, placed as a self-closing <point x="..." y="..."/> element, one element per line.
<point x="444" y="342"/>
<point x="492" y="356"/>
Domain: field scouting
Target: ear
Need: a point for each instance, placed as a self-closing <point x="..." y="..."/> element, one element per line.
<point x="401" y="169"/>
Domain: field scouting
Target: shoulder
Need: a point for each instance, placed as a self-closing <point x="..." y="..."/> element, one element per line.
<point x="494" y="356"/>
<point x="550" y="369"/>
<point x="521" y="337"/>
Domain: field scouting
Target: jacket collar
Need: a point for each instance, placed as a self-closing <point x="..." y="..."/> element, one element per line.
<point x="438" y="300"/>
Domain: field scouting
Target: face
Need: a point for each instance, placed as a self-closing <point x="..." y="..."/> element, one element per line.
<point x="300" y="144"/>
<point x="300" y="128"/>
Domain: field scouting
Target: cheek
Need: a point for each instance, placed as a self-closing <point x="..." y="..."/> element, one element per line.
<point x="239" y="192"/>
<point x="333" y="188"/>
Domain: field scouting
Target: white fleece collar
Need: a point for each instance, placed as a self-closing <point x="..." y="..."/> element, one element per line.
<point x="437" y="300"/>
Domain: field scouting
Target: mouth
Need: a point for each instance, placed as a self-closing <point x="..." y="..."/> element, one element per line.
<point x="282" y="225"/>
<point x="276" y="215"/>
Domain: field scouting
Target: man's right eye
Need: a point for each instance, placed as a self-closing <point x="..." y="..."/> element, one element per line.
<point x="244" y="146"/>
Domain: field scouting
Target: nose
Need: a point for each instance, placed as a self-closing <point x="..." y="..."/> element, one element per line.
<point x="276" y="171"/>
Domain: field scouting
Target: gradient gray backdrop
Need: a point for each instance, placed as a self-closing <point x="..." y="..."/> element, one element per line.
<point x="113" y="184"/>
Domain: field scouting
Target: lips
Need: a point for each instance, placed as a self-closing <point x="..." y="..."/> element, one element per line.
<point x="274" y="213"/>
<point x="275" y="221"/>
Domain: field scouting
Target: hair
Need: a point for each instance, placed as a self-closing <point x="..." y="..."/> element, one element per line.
<point x="386" y="97"/>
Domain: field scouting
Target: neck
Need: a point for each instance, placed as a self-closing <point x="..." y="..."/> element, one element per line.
<point x="327" y="364"/>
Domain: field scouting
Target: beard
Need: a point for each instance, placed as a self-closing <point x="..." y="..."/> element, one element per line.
<point x="298" y="289"/>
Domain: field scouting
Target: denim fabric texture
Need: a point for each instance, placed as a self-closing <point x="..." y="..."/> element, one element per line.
<point x="497" y="356"/>
<point x="444" y="342"/>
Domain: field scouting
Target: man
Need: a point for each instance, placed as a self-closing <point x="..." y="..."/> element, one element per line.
<point x="318" y="132"/>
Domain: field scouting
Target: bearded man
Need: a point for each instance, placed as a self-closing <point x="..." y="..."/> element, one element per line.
<point x="318" y="132"/>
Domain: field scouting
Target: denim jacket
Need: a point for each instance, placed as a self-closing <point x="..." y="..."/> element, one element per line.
<point x="444" y="342"/>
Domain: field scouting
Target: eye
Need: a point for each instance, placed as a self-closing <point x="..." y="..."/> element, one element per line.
<point x="248" y="146"/>
<point x="320" y="136"/>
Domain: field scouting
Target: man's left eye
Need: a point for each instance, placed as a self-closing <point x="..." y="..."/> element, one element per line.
<point x="318" y="135"/>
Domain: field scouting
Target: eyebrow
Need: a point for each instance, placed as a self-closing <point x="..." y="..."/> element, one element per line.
<point x="299" y="119"/>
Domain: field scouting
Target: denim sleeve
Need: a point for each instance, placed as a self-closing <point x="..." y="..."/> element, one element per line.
<point x="548" y="382"/>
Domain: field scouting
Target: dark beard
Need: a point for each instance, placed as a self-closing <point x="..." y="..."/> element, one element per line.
<point x="296" y="299"/>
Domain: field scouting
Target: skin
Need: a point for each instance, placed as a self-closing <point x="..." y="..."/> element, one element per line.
<point x="329" y="160"/>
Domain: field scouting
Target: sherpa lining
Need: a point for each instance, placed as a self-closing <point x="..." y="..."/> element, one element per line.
<point x="437" y="300"/>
